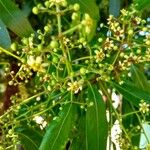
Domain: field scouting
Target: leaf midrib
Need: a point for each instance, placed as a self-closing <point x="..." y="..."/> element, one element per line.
<point x="6" y="8"/>
<point x="61" y="126"/>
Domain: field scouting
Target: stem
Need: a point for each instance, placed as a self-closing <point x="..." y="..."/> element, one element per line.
<point x="71" y="29"/>
<point x="58" y="19"/>
<point x="25" y="101"/>
<point x="34" y="96"/>
<point x="104" y="90"/>
<point x="82" y="58"/>
<point x="141" y="124"/>
<point x="60" y="34"/>
<point x="4" y="63"/>
<point x="128" y="114"/>
<point x="116" y="57"/>
<point x="11" y="54"/>
<point x="68" y="66"/>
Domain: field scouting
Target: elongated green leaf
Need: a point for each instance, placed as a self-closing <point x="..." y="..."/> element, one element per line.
<point x="4" y="36"/>
<point x="132" y="93"/>
<point x="30" y="138"/>
<point x="14" y="18"/>
<point x="96" y="123"/>
<point x="130" y="119"/>
<point x="139" y="79"/>
<point x="57" y="133"/>
<point x="90" y="7"/>
<point x="27" y="7"/>
<point x="114" y="7"/>
<point x="79" y="141"/>
<point x="142" y="4"/>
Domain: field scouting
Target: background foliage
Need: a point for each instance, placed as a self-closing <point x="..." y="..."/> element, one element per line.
<point x="61" y="62"/>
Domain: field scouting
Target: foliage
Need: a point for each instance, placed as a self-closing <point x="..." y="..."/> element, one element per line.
<point x="59" y="76"/>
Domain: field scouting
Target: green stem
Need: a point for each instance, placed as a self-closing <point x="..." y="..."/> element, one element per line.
<point x="116" y="57"/>
<point x="82" y="58"/>
<point x="58" y="19"/>
<point x="104" y="90"/>
<point x="4" y="63"/>
<point x="23" y="102"/>
<point x="68" y="66"/>
<point x="141" y="125"/>
<point x="128" y="114"/>
<point x="60" y="34"/>
<point x="11" y="54"/>
<point x="71" y="29"/>
<point x="28" y="99"/>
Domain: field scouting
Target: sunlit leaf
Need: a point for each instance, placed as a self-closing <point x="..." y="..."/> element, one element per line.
<point x="4" y="36"/>
<point x="96" y="123"/>
<point x="142" y="4"/>
<point x="57" y="133"/>
<point x="114" y="7"/>
<point x="14" y="18"/>
<point x="133" y="94"/>
<point x="90" y="7"/>
<point x="139" y="79"/>
<point x="79" y="141"/>
<point x="29" y="137"/>
<point x="129" y="120"/>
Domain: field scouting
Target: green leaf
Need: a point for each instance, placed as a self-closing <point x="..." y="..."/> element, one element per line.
<point x="14" y="18"/>
<point x="139" y="79"/>
<point x="133" y="94"/>
<point x="114" y="7"/>
<point x="27" y="7"/>
<point x="4" y="36"/>
<point x="30" y="138"/>
<point x="90" y="7"/>
<point x="79" y="140"/>
<point x="58" y="131"/>
<point x="130" y="119"/>
<point x="96" y="122"/>
<point x="142" y="4"/>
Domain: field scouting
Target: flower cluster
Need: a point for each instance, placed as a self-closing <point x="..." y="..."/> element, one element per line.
<point x="59" y="59"/>
<point x="36" y="63"/>
<point x="75" y="86"/>
<point x="144" y="107"/>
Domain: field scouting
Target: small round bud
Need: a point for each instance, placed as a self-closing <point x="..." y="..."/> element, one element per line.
<point x="39" y="47"/>
<point x="100" y="40"/>
<point x="18" y="107"/>
<point x="147" y="42"/>
<point x="47" y="4"/>
<point x="39" y="5"/>
<point x="55" y="59"/>
<point x="83" y="71"/>
<point x="40" y="37"/>
<point x="13" y="46"/>
<point x="72" y="74"/>
<point x="144" y="29"/>
<point x="115" y="47"/>
<point x="53" y="82"/>
<point x="138" y="51"/>
<point x="64" y="3"/>
<point x="74" y="16"/>
<point x="10" y="132"/>
<point x="35" y="10"/>
<point x="87" y="29"/>
<point x="11" y="82"/>
<point x="54" y="44"/>
<point x="49" y="88"/>
<point x="38" y="98"/>
<point x="48" y="28"/>
<point x="76" y="7"/>
<point x="130" y="32"/>
<point x="25" y="41"/>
